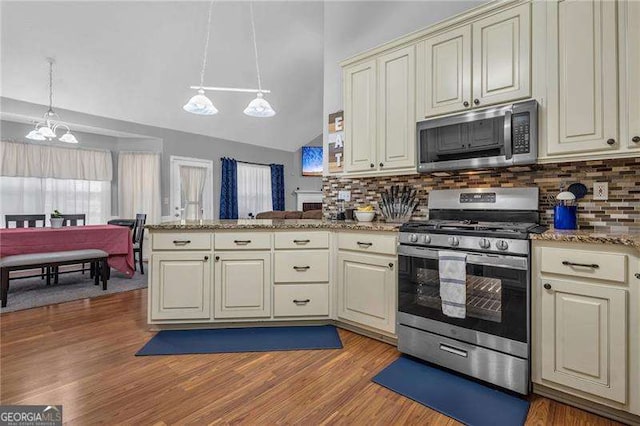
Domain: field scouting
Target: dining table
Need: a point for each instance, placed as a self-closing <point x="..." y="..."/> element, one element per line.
<point x="113" y="239"/>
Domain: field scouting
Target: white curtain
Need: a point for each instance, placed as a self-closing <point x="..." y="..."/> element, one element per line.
<point x="34" y="195"/>
<point x="254" y="189"/>
<point x="37" y="160"/>
<point x="139" y="185"/>
<point x="192" y="180"/>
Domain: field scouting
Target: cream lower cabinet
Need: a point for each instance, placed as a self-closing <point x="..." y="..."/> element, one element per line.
<point x="180" y="286"/>
<point x="242" y="284"/>
<point x="367" y="290"/>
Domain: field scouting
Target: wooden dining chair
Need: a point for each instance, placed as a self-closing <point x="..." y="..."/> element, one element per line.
<point x="138" y="239"/>
<point x="31" y="220"/>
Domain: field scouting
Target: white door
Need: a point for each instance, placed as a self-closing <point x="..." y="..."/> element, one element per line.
<point x="444" y="73"/>
<point x="396" y="109"/>
<point x="181" y="285"/>
<point x="501" y="57"/>
<point x="632" y="94"/>
<point x="582" y="76"/>
<point x="584" y="337"/>
<point x="367" y="290"/>
<point x="191" y="188"/>
<point x="242" y="285"/>
<point x="360" y="116"/>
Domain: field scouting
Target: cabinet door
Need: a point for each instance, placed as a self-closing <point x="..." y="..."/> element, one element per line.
<point x="444" y="73"/>
<point x="180" y="286"/>
<point x="582" y="76"/>
<point x="633" y="73"/>
<point x="501" y="57"/>
<point x="396" y="109"/>
<point x="360" y="116"/>
<point x="367" y="290"/>
<point x="584" y="337"/>
<point x="242" y="285"/>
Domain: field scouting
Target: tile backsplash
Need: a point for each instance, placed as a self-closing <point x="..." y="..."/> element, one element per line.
<point x="621" y="212"/>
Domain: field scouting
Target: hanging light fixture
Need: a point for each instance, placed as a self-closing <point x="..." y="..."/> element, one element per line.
<point x="201" y="105"/>
<point x="46" y="129"/>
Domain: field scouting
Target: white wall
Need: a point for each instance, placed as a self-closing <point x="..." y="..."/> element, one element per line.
<point x="351" y="27"/>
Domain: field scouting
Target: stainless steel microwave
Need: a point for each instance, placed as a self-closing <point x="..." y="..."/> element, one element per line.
<point x="491" y="137"/>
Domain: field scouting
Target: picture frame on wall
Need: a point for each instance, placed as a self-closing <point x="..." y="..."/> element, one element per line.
<point x="336" y="142"/>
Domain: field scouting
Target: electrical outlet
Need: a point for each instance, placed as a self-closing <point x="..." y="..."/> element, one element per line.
<point x="344" y="195"/>
<point x="600" y="190"/>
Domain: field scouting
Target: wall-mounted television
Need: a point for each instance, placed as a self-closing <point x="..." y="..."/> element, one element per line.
<point x="311" y="161"/>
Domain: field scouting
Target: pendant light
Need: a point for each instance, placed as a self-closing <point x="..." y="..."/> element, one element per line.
<point x="200" y="104"/>
<point x="259" y="107"/>
<point x="46" y="129"/>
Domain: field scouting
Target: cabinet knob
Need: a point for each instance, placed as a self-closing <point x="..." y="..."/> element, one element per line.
<point x="372" y="165"/>
<point x="547" y="286"/>
<point x="390" y="265"/>
<point x="206" y="258"/>
<point x="635" y="139"/>
<point x="611" y="141"/>
<point x="217" y="258"/>
<point x="638" y="275"/>
<point x="476" y="101"/>
<point x="465" y="104"/>
<point x="381" y="165"/>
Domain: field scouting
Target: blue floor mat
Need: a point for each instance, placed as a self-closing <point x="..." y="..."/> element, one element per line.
<point x="465" y="400"/>
<point x="253" y="339"/>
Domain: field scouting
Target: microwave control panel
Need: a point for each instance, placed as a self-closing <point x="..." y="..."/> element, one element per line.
<point x="520" y="131"/>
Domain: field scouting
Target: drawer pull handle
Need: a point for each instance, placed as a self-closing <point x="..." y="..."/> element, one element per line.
<point x="242" y="242"/>
<point x="301" y="268"/>
<point x="301" y="302"/>
<point x="181" y="242"/>
<point x="583" y="265"/>
<point x="301" y="241"/>
<point x="361" y="244"/>
<point x="453" y="350"/>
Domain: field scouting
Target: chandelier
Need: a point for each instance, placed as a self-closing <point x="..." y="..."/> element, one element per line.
<point x="46" y="129"/>
<point x="201" y="105"/>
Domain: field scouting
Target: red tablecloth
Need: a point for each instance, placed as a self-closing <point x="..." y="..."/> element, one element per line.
<point x="115" y="240"/>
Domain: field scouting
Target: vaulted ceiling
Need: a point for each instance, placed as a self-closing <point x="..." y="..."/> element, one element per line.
<point x="135" y="61"/>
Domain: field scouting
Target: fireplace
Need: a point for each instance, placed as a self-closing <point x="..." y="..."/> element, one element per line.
<point x="306" y="206"/>
<point x="308" y="200"/>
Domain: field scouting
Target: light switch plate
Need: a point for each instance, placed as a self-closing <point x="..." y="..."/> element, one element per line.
<point x="600" y="190"/>
<point x="344" y="195"/>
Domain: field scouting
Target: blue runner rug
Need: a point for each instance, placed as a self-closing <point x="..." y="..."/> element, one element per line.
<point x="462" y="399"/>
<point x="253" y="339"/>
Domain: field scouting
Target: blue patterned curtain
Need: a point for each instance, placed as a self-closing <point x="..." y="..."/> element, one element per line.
<point x="277" y="186"/>
<point x="229" y="189"/>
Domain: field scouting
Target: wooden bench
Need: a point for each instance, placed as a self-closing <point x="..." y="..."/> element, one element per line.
<point x="38" y="260"/>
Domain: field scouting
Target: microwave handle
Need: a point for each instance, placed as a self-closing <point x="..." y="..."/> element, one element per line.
<point x="508" y="145"/>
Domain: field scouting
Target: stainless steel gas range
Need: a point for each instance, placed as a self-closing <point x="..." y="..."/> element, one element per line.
<point x="490" y="226"/>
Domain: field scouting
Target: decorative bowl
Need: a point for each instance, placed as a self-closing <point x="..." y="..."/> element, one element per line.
<point x="364" y="216"/>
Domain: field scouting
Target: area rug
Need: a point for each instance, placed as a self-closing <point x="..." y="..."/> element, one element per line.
<point x="29" y="293"/>
<point x="465" y="400"/>
<point x="249" y="339"/>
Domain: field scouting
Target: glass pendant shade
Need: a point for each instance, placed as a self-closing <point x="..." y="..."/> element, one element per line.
<point x="259" y="107"/>
<point x="35" y="135"/>
<point x="68" y="138"/>
<point x="47" y="132"/>
<point x="200" y="104"/>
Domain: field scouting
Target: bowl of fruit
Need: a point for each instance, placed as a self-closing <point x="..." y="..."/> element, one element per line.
<point x="365" y="213"/>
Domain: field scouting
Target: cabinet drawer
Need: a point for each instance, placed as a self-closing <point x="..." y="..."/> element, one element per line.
<point x="588" y="264"/>
<point x="301" y="300"/>
<point x="243" y="241"/>
<point x="301" y="240"/>
<point x="301" y="266"/>
<point x="181" y="241"/>
<point x="371" y="243"/>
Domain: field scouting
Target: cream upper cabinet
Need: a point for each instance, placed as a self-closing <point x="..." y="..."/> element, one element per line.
<point x="501" y="56"/>
<point x="360" y="114"/>
<point x="396" y="109"/>
<point x="582" y="77"/>
<point x="180" y="286"/>
<point x="584" y="337"/>
<point x="444" y="73"/>
<point x="242" y="284"/>
<point x="367" y="290"/>
<point x="632" y="94"/>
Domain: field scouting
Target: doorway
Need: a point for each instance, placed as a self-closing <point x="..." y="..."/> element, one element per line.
<point x="191" y="188"/>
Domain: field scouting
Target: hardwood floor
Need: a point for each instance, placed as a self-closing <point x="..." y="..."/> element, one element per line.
<point x="81" y="354"/>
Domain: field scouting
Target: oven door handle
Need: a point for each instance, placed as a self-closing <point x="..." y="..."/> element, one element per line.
<point x="481" y="259"/>
<point x="508" y="141"/>
<point x="453" y="350"/>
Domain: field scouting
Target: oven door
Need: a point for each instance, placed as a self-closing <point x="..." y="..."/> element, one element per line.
<point x="497" y="299"/>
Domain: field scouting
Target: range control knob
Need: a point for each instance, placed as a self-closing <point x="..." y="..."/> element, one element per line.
<point x="453" y="241"/>
<point x="484" y="243"/>
<point x="502" y="245"/>
<point x="426" y="239"/>
<point x="413" y="238"/>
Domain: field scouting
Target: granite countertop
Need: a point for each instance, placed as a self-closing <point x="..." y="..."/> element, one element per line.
<point x="274" y="224"/>
<point x="631" y="239"/>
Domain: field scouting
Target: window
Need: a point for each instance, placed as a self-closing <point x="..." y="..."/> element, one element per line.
<point x="254" y="189"/>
